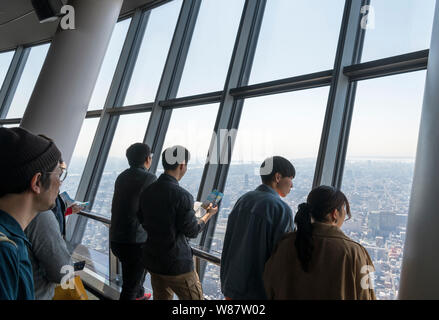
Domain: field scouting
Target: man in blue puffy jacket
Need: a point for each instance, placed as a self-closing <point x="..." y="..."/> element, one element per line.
<point x="255" y="225"/>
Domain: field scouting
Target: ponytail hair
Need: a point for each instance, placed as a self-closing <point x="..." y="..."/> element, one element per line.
<point x="303" y="243"/>
<point x="320" y="202"/>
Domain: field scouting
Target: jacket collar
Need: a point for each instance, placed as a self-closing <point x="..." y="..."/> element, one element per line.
<point x="327" y="230"/>
<point x="142" y="168"/>
<point x="265" y="188"/>
<point x="168" y="178"/>
<point x="12" y="226"/>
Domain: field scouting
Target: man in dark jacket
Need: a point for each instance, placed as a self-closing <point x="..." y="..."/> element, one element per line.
<point x="168" y="216"/>
<point x="29" y="183"/>
<point x="255" y="225"/>
<point x="126" y="233"/>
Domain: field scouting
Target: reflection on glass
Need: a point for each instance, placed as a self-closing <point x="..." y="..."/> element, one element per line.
<point x="130" y="129"/>
<point x="397" y="27"/>
<point x="379" y="171"/>
<point x="297" y="37"/>
<point x="109" y="64"/>
<point x="153" y="52"/>
<point x="192" y="128"/>
<point x="5" y="61"/>
<point x="79" y="157"/>
<point x="27" y="81"/>
<point x="211" y="47"/>
<point x="288" y="125"/>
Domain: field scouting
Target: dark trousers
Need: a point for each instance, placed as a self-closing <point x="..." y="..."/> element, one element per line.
<point x="133" y="271"/>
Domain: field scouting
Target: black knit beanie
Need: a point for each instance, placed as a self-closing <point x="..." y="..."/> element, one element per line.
<point x="22" y="155"/>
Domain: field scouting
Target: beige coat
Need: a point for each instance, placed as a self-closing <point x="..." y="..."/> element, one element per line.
<point x="338" y="268"/>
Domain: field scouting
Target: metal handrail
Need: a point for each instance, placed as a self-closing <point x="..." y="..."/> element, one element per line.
<point x="197" y="252"/>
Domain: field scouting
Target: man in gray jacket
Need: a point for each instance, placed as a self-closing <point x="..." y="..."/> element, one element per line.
<point x="126" y="233"/>
<point x="48" y="254"/>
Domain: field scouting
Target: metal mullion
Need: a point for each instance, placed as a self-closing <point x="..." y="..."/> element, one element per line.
<point x="229" y="113"/>
<point x="170" y="81"/>
<point x="93" y="114"/>
<point x="10" y="121"/>
<point x="107" y="125"/>
<point x="12" y="79"/>
<point x="334" y="139"/>
<point x="145" y="107"/>
<point x="308" y="81"/>
<point x="200" y="99"/>
<point x="409" y="62"/>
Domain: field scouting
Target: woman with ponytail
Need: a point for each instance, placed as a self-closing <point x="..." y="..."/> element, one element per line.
<point x="317" y="260"/>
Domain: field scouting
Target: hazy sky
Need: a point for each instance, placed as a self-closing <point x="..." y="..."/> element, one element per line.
<point x="297" y="37"/>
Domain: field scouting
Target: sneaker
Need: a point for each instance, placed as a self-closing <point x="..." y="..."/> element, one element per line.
<point x="146" y="296"/>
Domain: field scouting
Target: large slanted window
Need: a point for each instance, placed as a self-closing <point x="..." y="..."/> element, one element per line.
<point x="130" y="129"/>
<point x="379" y="171"/>
<point x="5" y="61"/>
<point x="211" y="47"/>
<point x="109" y="64"/>
<point x="79" y="157"/>
<point x="27" y="81"/>
<point x="153" y="52"/>
<point x="396" y="27"/>
<point x="287" y="125"/>
<point x="184" y="129"/>
<point x="297" y="37"/>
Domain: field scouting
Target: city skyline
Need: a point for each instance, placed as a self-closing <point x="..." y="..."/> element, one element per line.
<point x="366" y="185"/>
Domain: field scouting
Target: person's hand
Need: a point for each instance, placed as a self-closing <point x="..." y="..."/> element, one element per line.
<point x="76" y="208"/>
<point x="211" y="210"/>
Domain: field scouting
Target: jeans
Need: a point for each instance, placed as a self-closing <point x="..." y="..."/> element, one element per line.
<point x="133" y="271"/>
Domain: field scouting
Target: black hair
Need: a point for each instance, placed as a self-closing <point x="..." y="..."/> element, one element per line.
<point x="274" y="165"/>
<point x="320" y="202"/>
<point x="137" y="154"/>
<point x="174" y="156"/>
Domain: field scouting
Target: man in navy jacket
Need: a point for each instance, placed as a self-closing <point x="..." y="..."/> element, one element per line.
<point x="126" y="233"/>
<point x="255" y="225"/>
<point x="167" y="214"/>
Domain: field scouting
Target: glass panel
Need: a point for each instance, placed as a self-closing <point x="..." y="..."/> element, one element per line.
<point x="192" y="128"/>
<point x="109" y="65"/>
<point x="153" y="52"/>
<point x="27" y="81"/>
<point x="297" y="37"/>
<point x="211" y="47"/>
<point x="94" y="248"/>
<point x="212" y="283"/>
<point x="79" y="157"/>
<point x="5" y="61"/>
<point x="397" y="27"/>
<point x="288" y="125"/>
<point x="130" y="129"/>
<point x="379" y="171"/>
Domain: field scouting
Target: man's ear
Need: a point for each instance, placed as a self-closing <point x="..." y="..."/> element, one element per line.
<point x="277" y="177"/>
<point x="35" y="183"/>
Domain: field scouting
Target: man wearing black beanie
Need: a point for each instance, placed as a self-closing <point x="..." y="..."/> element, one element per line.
<point x="29" y="183"/>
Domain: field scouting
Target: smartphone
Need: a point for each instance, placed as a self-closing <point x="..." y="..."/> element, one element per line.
<point x="214" y="198"/>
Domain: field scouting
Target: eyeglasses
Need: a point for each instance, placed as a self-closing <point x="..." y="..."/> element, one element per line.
<point x="62" y="174"/>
